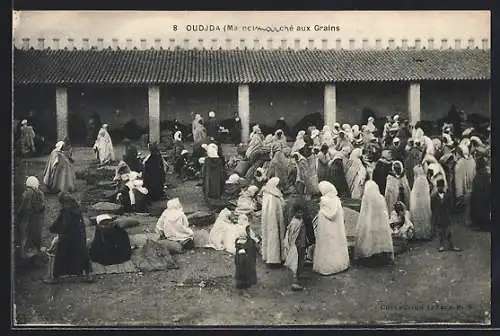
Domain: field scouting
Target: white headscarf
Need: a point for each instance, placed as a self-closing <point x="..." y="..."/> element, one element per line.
<point x="178" y="136"/>
<point x="330" y="202"/>
<point x="212" y="151"/>
<point x="59" y="145"/>
<point x="174" y="204"/>
<point x="24" y="122"/>
<point x="272" y="187"/>
<point x="103" y="217"/>
<point x="32" y="182"/>
<point x="356" y="153"/>
<point x="211" y="114"/>
<point x="233" y="179"/>
<point x="252" y="190"/>
<point x="314" y="133"/>
<point x="465" y="150"/>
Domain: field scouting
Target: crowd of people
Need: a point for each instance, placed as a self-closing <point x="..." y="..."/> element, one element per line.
<point x="406" y="183"/>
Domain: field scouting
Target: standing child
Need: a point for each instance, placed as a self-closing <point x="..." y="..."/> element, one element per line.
<point x="441" y="218"/>
<point x="295" y="246"/>
<point x="245" y="259"/>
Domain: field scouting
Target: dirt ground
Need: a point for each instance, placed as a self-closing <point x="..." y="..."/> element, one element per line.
<point x="422" y="286"/>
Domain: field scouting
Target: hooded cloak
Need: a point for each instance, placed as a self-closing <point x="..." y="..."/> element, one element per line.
<point x="331" y="253"/>
<point x="174" y="223"/>
<point x="373" y="233"/>
<point x="273" y="224"/>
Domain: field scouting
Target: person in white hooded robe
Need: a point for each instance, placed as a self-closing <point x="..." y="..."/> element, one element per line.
<point x="104" y="146"/>
<point x="198" y="129"/>
<point x="299" y="141"/>
<point x="173" y="224"/>
<point x="59" y="173"/>
<point x="397" y="186"/>
<point x="355" y="173"/>
<point x="370" y="125"/>
<point x="217" y="237"/>
<point x="331" y="253"/>
<point x="465" y="171"/>
<point x="373" y="232"/>
<point x="273" y="223"/>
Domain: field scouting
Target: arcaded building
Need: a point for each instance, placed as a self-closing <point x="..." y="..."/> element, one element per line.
<point x="152" y="82"/>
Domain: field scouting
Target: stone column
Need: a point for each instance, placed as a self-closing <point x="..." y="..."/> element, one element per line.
<point x="330" y="105"/>
<point x="244" y="111"/>
<point x="62" y="113"/>
<point x="414" y="103"/>
<point x="154" y="113"/>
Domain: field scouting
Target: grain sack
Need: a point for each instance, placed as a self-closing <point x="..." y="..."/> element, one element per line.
<point x="126" y="222"/>
<point x="172" y="246"/>
<point x="201" y="218"/>
<point x="105" y="208"/>
<point x="201" y="238"/>
<point x="153" y="256"/>
<point x="242" y="168"/>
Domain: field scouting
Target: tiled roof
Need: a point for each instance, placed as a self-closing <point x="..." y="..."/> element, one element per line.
<point x="246" y="66"/>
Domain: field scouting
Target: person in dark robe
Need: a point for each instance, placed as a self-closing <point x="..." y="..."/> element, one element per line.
<point x="382" y="169"/>
<point x="212" y="126"/>
<point x="111" y="244"/>
<point x="441" y="217"/>
<point x="131" y="157"/>
<point x="236" y="130"/>
<point x="94" y="125"/>
<point x="213" y="174"/>
<point x="154" y="173"/>
<point x="336" y="176"/>
<point x="245" y="260"/>
<point x="296" y="197"/>
<point x="234" y="186"/>
<point x="71" y="255"/>
<point x="397" y="150"/>
<point x="448" y="161"/>
<point x="453" y="118"/>
<point x="184" y="168"/>
<point x="414" y="157"/>
<point x="27" y="139"/>
<point x="480" y="210"/>
<point x="131" y="193"/>
<point x="282" y="125"/>
<point x="404" y="132"/>
<point x="30" y="220"/>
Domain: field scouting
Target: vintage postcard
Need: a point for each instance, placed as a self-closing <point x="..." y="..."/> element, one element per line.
<point x="251" y="168"/>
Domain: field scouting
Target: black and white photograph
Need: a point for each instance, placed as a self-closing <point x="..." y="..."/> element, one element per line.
<point x="251" y="168"/>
